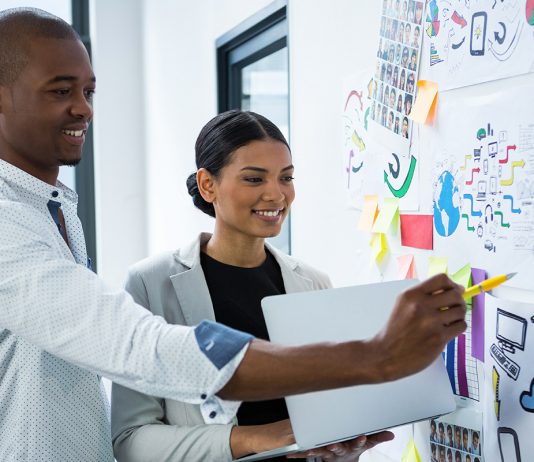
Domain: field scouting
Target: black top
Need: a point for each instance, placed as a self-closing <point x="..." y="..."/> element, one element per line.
<point x="236" y="295"/>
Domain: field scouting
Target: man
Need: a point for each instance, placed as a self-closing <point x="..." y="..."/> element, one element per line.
<point x="449" y="455"/>
<point x="433" y="433"/>
<point x="441" y="431"/>
<point x="465" y="438"/>
<point x="450" y="439"/>
<point x="433" y="449"/>
<point x="475" y="447"/>
<point x="61" y="327"/>
<point x="442" y="454"/>
<point x="457" y="437"/>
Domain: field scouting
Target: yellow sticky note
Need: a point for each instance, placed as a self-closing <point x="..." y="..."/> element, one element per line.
<point x="424" y="108"/>
<point x="406" y="265"/>
<point x="410" y="453"/>
<point x="437" y="265"/>
<point x="379" y="247"/>
<point x="369" y="212"/>
<point x="388" y="216"/>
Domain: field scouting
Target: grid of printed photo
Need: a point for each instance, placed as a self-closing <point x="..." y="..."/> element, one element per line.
<point x="453" y="443"/>
<point x="396" y="65"/>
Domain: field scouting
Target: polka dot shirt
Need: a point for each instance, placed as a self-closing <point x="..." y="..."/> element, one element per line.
<point x="61" y="328"/>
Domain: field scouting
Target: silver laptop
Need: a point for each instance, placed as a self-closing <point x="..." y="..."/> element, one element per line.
<point x="350" y="313"/>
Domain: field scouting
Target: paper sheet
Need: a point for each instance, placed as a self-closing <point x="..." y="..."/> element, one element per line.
<point x="406" y="265"/>
<point x="437" y="265"/>
<point x="509" y="372"/>
<point x="369" y="213"/>
<point x="378" y="247"/>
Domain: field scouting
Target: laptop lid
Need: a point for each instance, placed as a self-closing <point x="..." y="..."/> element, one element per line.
<point x="351" y="313"/>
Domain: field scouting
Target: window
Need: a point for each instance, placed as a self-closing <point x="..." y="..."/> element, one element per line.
<point x="252" y="67"/>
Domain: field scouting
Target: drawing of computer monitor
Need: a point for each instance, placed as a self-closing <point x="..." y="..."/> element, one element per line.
<point x="493" y="148"/>
<point x="511" y="333"/>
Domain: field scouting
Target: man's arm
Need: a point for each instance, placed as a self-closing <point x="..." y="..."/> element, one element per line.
<point x="416" y="333"/>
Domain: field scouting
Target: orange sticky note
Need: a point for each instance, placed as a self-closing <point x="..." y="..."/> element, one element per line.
<point x="369" y="212"/>
<point x="406" y="267"/>
<point x="424" y="108"/>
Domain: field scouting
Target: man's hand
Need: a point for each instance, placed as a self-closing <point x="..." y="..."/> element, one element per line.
<point x="424" y="319"/>
<point x="347" y="451"/>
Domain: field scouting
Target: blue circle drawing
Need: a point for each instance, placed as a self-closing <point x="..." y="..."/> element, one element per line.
<point x="446" y="205"/>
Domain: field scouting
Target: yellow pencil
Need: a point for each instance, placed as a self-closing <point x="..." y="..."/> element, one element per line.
<point x="486" y="285"/>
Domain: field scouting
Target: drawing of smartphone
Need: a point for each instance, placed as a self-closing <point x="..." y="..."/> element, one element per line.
<point x="478" y="33"/>
<point x="508" y="445"/>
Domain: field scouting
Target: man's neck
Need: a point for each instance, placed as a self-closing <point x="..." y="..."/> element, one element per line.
<point x="47" y="175"/>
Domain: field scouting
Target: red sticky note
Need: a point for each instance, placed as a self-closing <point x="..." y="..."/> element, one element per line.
<point x="417" y="231"/>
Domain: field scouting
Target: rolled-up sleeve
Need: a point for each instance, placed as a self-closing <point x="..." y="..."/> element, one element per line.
<point x="66" y="310"/>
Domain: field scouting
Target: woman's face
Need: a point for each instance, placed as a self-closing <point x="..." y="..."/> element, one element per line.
<point x="254" y="192"/>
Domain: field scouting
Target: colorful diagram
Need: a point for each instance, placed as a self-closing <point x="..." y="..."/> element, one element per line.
<point x="490" y="206"/>
<point x="462" y="367"/>
<point x="432" y="19"/>
<point x="446" y="204"/>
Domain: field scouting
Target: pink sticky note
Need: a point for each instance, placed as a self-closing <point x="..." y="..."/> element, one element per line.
<point x="406" y="267"/>
<point x="417" y="231"/>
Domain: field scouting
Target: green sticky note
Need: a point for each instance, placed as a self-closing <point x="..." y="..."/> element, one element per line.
<point x="410" y="453"/>
<point x="463" y="276"/>
<point x="437" y="265"/>
<point x="388" y="216"/>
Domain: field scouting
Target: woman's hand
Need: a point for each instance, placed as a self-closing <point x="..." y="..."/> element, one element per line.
<point x="252" y="439"/>
<point x="347" y="451"/>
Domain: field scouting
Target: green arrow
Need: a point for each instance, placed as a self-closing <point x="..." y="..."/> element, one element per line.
<point x="503" y="224"/>
<point x="407" y="182"/>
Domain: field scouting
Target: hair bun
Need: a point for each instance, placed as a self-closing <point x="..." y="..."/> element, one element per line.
<point x="192" y="186"/>
<point x="198" y="200"/>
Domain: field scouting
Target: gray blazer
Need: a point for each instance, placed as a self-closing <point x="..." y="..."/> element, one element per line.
<point x="172" y="285"/>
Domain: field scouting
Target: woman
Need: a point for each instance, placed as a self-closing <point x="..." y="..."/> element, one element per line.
<point x="243" y="179"/>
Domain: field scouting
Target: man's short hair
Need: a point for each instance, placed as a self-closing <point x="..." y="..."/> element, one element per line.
<point x="17" y="27"/>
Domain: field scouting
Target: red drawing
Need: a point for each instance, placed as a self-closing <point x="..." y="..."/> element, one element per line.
<point x="459" y="19"/>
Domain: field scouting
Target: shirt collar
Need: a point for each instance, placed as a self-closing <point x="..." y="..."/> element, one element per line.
<point x="33" y="185"/>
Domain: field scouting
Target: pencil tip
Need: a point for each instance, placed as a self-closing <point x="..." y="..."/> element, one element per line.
<point x="510" y="275"/>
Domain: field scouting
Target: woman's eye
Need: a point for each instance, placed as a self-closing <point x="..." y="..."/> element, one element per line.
<point x="288" y="179"/>
<point x="253" y="179"/>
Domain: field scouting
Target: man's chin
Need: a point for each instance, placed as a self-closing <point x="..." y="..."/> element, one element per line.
<point x="69" y="162"/>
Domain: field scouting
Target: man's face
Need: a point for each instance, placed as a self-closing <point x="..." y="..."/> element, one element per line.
<point x="449" y="434"/>
<point x="466" y="439"/>
<point x="45" y="113"/>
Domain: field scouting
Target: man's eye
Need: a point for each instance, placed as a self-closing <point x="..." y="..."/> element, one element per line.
<point x="89" y="94"/>
<point x="61" y="91"/>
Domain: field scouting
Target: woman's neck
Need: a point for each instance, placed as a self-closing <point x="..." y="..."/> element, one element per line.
<point x="242" y="251"/>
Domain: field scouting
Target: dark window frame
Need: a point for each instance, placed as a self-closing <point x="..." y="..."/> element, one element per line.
<point x="258" y="36"/>
<point x="85" y="171"/>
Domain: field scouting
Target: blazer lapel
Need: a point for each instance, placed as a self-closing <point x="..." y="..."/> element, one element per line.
<point x="191" y="287"/>
<point x="293" y="281"/>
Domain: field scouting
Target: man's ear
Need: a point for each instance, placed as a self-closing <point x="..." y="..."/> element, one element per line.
<point x="206" y="185"/>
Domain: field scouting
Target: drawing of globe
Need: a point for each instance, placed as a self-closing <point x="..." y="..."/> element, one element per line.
<point x="446" y="205"/>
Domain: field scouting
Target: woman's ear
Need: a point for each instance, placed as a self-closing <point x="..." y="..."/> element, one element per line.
<point x="206" y="185"/>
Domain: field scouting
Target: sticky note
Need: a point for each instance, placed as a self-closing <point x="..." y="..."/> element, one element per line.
<point x="417" y="231"/>
<point x="388" y="216"/>
<point x="379" y="247"/>
<point x="437" y="265"/>
<point x="410" y="453"/>
<point x="406" y="265"/>
<point x="424" y="108"/>
<point x="477" y="317"/>
<point x="369" y="213"/>
<point x="463" y="276"/>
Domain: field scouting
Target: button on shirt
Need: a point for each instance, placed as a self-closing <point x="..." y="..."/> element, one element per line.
<point x="61" y="327"/>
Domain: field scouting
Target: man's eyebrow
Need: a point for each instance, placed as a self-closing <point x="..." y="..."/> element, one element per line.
<point x="263" y="170"/>
<point x="67" y="78"/>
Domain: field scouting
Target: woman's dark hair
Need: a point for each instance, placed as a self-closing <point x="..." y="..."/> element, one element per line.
<point x="218" y="140"/>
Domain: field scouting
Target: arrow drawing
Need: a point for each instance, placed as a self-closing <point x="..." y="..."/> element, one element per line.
<point x="458" y="19"/>
<point x="475" y="170"/>
<point x="394" y="172"/>
<point x="508" y="149"/>
<point x="511" y="199"/>
<point x="495" y="379"/>
<point x="357" y="169"/>
<point x="466" y="216"/>
<point x="504" y="55"/>
<point x="401" y="192"/>
<point x="358" y="95"/>
<point x="469" y="156"/>
<point x="503" y="224"/>
<point x="366" y="118"/>
<point x="474" y="213"/>
<point x="455" y="46"/>
<point x="510" y="181"/>
<point x="500" y="38"/>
